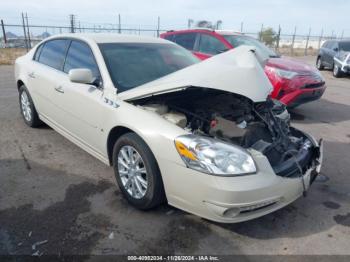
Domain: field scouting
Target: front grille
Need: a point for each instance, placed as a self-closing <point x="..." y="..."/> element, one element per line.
<point x="257" y="207"/>
<point x="314" y="85"/>
<point x="311" y="75"/>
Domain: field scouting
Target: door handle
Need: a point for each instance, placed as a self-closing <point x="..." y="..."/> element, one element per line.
<point x="31" y="75"/>
<point x="59" y="89"/>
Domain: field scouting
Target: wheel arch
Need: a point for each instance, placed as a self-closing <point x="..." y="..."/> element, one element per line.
<point x="19" y="84"/>
<point x="113" y="136"/>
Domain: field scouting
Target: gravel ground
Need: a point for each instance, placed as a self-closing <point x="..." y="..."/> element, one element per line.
<point x="52" y="190"/>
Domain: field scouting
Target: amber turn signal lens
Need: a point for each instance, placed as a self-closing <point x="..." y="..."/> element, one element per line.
<point x="184" y="151"/>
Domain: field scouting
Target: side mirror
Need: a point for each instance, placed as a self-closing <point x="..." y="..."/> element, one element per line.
<point x="81" y="75"/>
<point x="219" y="51"/>
<point x="336" y="49"/>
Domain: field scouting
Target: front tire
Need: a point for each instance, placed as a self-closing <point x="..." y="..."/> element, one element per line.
<point x="319" y="64"/>
<point x="336" y="71"/>
<point x="28" y="111"/>
<point x="137" y="172"/>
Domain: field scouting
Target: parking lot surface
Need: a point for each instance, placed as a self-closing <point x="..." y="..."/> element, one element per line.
<point x="53" y="191"/>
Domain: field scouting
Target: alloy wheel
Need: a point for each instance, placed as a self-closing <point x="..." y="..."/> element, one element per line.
<point x="335" y="70"/>
<point x="319" y="63"/>
<point x="26" y="107"/>
<point x="132" y="172"/>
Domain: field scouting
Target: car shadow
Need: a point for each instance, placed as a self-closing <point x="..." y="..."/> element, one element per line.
<point x="62" y="208"/>
<point x="321" y="111"/>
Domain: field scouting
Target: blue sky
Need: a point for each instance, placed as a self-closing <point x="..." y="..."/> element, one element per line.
<point x="330" y="15"/>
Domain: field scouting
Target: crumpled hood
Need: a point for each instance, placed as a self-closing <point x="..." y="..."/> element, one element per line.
<point x="237" y="71"/>
<point x="290" y="64"/>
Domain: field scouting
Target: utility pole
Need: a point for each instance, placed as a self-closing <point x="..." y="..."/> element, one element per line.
<point x="261" y="31"/>
<point x="278" y="37"/>
<point x="241" y="27"/>
<point x="189" y="23"/>
<point x="72" y="23"/>
<point x="119" y="24"/>
<point x="158" y="26"/>
<point x="24" y="32"/>
<point x="320" y="39"/>
<point x="307" y="42"/>
<point x="293" y="39"/>
<point x="218" y="24"/>
<point x="342" y="34"/>
<point x="3" y="32"/>
<point x="28" y="33"/>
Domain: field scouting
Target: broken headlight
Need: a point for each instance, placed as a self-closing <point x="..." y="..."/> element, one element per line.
<point x="214" y="157"/>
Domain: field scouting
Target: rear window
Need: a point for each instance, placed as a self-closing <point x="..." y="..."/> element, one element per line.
<point x="53" y="53"/>
<point x="186" y="40"/>
<point x="37" y="53"/>
<point x="238" y="40"/>
<point x="325" y="44"/>
<point x="134" y="64"/>
<point x="210" y="45"/>
<point x="169" y="37"/>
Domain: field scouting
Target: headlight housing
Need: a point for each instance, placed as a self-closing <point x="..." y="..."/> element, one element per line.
<point x="285" y="73"/>
<point x="214" y="157"/>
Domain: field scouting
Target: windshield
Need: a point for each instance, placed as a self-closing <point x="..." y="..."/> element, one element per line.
<point x="345" y="46"/>
<point x="133" y="64"/>
<point x="238" y="40"/>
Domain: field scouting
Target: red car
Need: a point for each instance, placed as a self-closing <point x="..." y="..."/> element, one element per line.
<point x="294" y="82"/>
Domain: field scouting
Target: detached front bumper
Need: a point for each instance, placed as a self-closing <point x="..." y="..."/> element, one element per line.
<point x="240" y="198"/>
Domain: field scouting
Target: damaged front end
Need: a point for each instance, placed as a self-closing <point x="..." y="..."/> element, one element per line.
<point x="223" y="104"/>
<point x="236" y="120"/>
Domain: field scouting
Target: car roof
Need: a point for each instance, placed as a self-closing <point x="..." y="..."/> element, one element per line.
<point x="339" y="41"/>
<point x="228" y="32"/>
<point x="200" y="29"/>
<point x="111" y="38"/>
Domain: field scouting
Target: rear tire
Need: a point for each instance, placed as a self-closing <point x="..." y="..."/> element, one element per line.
<point x="319" y="64"/>
<point x="28" y="111"/>
<point x="336" y="71"/>
<point x="137" y="172"/>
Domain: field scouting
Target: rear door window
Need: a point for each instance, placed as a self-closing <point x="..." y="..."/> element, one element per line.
<point x="80" y="56"/>
<point x="53" y="53"/>
<point x="210" y="45"/>
<point x="186" y="40"/>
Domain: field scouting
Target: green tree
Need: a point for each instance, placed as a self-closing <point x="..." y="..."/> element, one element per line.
<point x="268" y="36"/>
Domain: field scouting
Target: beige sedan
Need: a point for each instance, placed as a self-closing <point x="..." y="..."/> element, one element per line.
<point x="202" y="136"/>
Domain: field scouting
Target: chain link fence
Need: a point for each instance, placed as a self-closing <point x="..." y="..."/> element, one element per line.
<point x="27" y="36"/>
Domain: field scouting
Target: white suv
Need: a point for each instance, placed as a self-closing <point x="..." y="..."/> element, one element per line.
<point x="205" y="137"/>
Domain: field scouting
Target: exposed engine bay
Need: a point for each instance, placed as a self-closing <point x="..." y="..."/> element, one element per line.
<point x="263" y="126"/>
